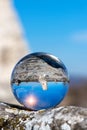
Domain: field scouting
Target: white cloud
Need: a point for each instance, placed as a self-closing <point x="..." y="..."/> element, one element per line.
<point x="79" y="37"/>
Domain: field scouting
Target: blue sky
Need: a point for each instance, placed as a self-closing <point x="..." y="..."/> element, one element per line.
<point x="58" y="27"/>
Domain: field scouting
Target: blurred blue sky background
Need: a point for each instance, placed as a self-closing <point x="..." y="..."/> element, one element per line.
<point x="58" y="27"/>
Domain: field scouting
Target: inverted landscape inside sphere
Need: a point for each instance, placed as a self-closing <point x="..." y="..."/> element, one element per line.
<point x="39" y="67"/>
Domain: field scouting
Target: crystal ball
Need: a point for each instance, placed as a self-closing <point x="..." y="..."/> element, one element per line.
<point x="39" y="81"/>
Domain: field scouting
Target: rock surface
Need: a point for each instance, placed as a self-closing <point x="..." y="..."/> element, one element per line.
<point x="13" y="117"/>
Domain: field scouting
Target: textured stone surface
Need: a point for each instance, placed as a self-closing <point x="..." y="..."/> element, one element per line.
<point x="62" y="118"/>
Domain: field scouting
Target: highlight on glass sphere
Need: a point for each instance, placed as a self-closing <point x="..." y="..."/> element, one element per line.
<point x="39" y="81"/>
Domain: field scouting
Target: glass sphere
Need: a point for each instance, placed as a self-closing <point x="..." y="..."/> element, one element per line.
<point x="39" y="81"/>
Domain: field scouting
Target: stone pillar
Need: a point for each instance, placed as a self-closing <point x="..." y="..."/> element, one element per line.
<point x="13" y="46"/>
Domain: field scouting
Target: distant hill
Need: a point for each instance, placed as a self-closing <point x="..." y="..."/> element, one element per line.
<point x="77" y="94"/>
<point x="78" y="81"/>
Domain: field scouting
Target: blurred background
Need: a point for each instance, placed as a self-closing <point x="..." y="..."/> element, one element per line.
<point x="56" y="27"/>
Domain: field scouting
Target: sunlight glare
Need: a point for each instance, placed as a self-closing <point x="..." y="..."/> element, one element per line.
<point x="31" y="100"/>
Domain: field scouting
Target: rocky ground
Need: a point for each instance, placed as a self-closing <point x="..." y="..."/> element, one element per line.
<point x="61" y="118"/>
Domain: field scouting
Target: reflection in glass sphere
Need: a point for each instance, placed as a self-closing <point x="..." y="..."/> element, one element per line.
<point x="39" y="81"/>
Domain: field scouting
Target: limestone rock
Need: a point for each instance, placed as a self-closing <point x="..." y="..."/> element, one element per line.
<point x="13" y="46"/>
<point x="14" y="117"/>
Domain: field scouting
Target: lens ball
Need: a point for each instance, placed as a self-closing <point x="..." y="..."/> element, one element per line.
<point x="39" y="81"/>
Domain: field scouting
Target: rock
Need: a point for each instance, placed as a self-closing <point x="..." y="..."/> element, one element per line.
<point x="13" y="117"/>
<point x="13" y="46"/>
